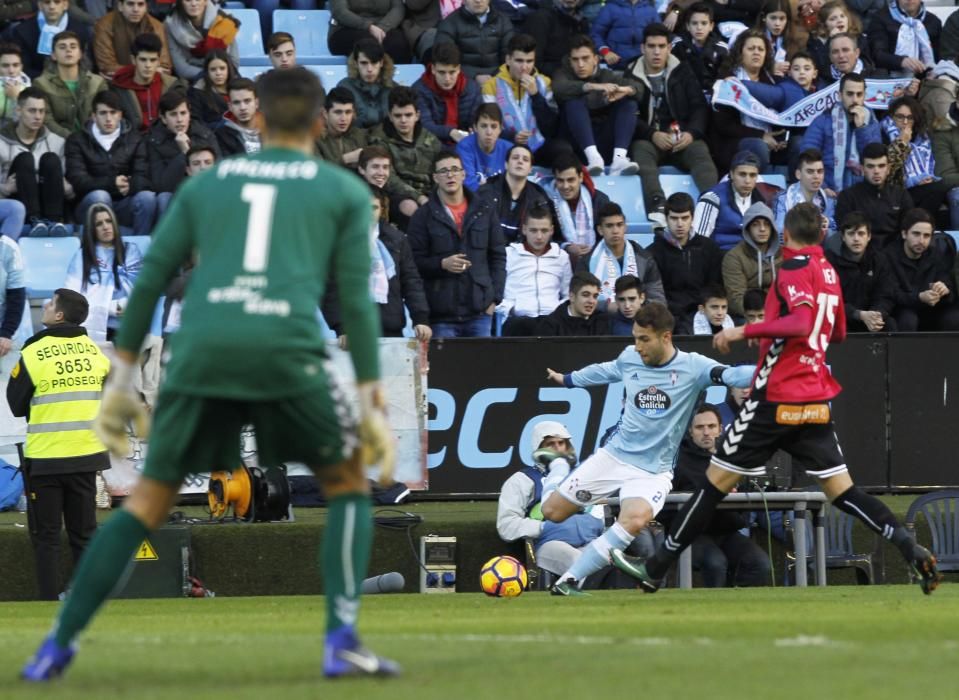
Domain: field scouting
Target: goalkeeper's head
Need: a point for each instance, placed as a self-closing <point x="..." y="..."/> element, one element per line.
<point x="552" y="435"/>
<point x="291" y="103"/>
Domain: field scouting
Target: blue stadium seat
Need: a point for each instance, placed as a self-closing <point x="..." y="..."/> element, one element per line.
<point x="942" y="12"/>
<point x="143" y="242"/>
<point x="955" y="236"/>
<point x="678" y="183"/>
<point x="408" y="73"/>
<point x="773" y="179"/>
<point x="249" y="40"/>
<point x="644" y="239"/>
<point x="670" y="170"/>
<point x="45" y="262"/>
<point x="627" y="192"/>
<point x="329" y="75"/>
<point x="309" y="29"/>
<point x="253" y="72"/>
<point x="233" y="5"/>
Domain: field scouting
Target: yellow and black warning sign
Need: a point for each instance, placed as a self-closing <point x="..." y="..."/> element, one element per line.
<point x="146" y="552"/>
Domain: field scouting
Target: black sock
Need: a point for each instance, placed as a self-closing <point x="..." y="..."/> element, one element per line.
<point x="687" y="525"/>
<point x="877" y="517"/>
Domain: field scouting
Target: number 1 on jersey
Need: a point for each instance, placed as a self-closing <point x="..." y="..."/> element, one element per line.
<point x="259" y="226"/>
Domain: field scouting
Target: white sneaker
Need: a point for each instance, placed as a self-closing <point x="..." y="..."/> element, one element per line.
<point x="596" y="167"/>
<point x="623" y="166"/>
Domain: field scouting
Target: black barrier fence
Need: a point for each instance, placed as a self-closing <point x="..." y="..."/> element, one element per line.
<point x="897" y="421"/>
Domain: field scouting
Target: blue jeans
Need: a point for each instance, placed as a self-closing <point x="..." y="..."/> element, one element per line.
<point x="163" y="201"/>
<point x="478" y="327"/>
<point x="138" y="211"/>
<point x="789" y="157"/>
<point x="12" y="216"/>
<point x="953" y="199"/>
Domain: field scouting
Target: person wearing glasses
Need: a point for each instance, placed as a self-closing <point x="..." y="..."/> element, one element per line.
<point x="459" y="249"/>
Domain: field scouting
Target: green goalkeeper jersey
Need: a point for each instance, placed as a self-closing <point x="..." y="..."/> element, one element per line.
<point x="266" y="230"/>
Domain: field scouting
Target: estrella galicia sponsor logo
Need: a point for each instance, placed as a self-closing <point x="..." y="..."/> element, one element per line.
<point x="652" y="401"/>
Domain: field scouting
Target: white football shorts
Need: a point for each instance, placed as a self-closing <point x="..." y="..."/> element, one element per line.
<point x="602" y="475"/>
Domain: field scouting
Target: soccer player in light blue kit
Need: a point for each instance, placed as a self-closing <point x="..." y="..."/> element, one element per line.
<point x="663" y="387"/>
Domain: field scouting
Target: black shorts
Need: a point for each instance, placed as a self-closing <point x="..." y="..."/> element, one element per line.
<point x="804" y="431"/>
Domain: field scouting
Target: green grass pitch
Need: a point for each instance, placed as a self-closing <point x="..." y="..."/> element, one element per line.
<point x="841" y="642"/>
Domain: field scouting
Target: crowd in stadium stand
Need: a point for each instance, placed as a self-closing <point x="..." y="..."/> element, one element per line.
<point x="508" y="174"/>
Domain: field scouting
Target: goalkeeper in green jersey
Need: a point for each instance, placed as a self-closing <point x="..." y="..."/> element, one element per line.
<point x="266" y="231"/>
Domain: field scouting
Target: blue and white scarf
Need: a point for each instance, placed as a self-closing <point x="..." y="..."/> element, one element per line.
<point x="603" y="264"/>
<point x="921" y="162"/>
<point x="48" y="31"/>
<point x="913" y="39"/>
<point x="580" y="230"/>
<point x="845" y="162"/>
<point x="746" y="119"/>
<point x="837" y="74"/>
<point x="518" y="113"/>
<point x="794" y="195"/>
<point x="383" y="267"/>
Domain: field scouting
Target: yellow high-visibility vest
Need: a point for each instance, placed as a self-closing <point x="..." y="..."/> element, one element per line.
<point x="68" y="376"/>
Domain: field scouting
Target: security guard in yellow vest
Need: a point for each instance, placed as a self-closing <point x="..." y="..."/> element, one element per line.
<point x="57" y="386"/>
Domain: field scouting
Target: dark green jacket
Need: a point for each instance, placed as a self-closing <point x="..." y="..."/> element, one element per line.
<point x="411" y="174"/>
<point x="69" y="110"/>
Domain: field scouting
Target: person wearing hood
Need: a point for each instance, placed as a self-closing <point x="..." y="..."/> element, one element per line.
<point x="343" y="141"/>
<point x="810" y="173"/>
<point x="687" y="263"/>
<point x="580" y="315"/>
<point x="518" y="514"/>
<point x="481" y="33"/>
<point x="753" y="263"/>
<point x="100" y="166"/>
<point x="196" y="27"/>
<point x="369" y="76"/>
<point x="142" y="84"/>
<point x="719" y="211"/>
<point x="446" y="98"/>
<point x="671" y="129"/>
<point x="524" y="95"/>
<point x="238" y="132"/>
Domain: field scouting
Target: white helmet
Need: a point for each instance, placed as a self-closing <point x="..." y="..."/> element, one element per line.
<point x="548" y="428"/>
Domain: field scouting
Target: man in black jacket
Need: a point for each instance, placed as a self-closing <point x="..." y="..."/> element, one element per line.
<point x="553" y="26"/>
<point x="100" y="166"/>
<point x="672" y="124"/>
<point x="580" y="315"/>
<point x="36" y="44"/>
<point x="687" y="263"/>
<point x="884" y="203"/>
<point x="723" y="555"/>
<point x="458" y="247"/>
<point x="481" y="33"/>
<point x="868" y="285"/>
<point x="160" y="161"/>
<point x="923" y="265"/>
<point x="512" y="194"/>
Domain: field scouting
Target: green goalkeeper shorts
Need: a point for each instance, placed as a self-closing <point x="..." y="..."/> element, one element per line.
<point x="193" y="434"/>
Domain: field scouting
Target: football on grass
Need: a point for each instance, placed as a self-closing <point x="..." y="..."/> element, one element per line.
<point x="503" y="577"/>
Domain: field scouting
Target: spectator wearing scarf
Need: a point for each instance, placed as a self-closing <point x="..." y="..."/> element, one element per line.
<point x="575" y="198"/>
<point x="191" y="38"/>
<point x="446" y="98"/>
<point x="904" y="38"/>
<point x="35" y="36"/>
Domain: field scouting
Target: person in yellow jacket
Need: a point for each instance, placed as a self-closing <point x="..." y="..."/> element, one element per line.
<point x="57" y="385"/>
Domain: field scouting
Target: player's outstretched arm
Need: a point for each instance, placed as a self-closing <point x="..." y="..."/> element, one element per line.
<point x="591" y="375"/>
<point x="555" y="377"/>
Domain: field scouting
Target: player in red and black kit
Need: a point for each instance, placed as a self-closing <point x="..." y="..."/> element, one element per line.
<point x="787" y="409"/>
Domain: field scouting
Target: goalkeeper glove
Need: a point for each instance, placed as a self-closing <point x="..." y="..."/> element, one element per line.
<point x="545" y="457"/>
<point x="376" y="437"/>
<point x="121" y="405"/>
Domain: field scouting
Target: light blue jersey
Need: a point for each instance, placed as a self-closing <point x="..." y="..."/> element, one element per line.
<point x="659" y="402"/>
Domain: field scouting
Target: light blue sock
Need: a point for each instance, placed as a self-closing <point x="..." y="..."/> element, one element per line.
<point x="558" y="470"/>
<point x="596" y="555"/>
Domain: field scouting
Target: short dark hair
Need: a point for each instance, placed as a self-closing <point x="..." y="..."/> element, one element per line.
<point x="917" y="216"/>
<point x="447" y="53"/>
<point x="713" y="291"/>
<point x="538" y="211"/>
<point x="401" y="96"/>
<point x="627" y="282"/>
<point x="277" y="39"/>
<point x="655" y="29"/>
<point x="290" y="100"/>
<point x="804" y="223"/>
<point x="171" y="100"/>
<point x="583" y="279"/>
<point x="515" y="146"/>
<point x="874" y="151"/>
<point x="655" y="315"/>
<point x="581" y="41"/>
<point x="445" y="154"/>
<point x="369" y="47"/>
<point x="150" y="43"/>
<point x="524" y="43"/>
<point x="72" y="305"/>
<point x="202" y="147"/>
<point x="30" y="93"/>
<point x="853" y="220"/>
<point x="850" y="78"/>
<point x="810" y="155"/>
<point x="566" y="160"/>
<point x="371" y="152"/>
<point x="754" y="300"/>
<point x="67" y="34"/>
<point x="805" y="55"/>
<point x="490" y="110"/>
<point x="107" y="98"/>
<point x="10" y="48"/>
<point x="700" y="8"/>
<point x="340" y="95"/>
<point x="240" y="84"/>
<point x="679" y="203"/>
<point x="709" y="408"/>
<point x="607" y="210"/>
